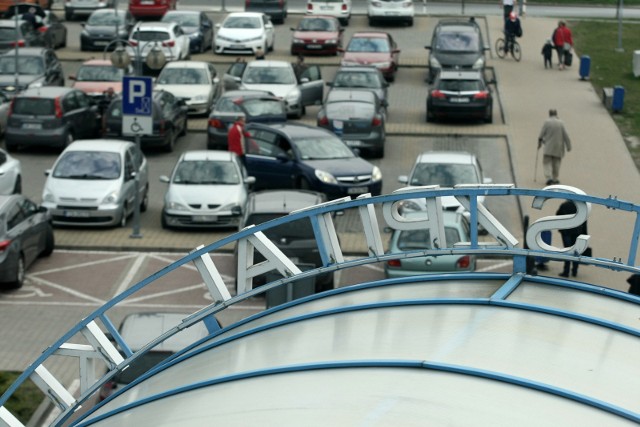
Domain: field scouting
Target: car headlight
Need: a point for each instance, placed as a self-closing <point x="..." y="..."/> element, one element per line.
<point x="478" y="64"/>
<point x="111" y="198"/>
<point x="235" y="208"/>
<point x="175" y="206"/>
<point x="48" y="197"/>
<point x="325" y="177"/>
<point x="331" y="41"/>
<point x="348" y="63"/>
<point x="293" y="97"/>
<point x="84" y="33"/>
<point x="254" y="39"/>
<point x="200" y="98"/>
<point x="434" y="63"/>
<point x="299" y="41"/>
<point x="376" y="174"/>
<point x="223" y="38"/>
<point x="382" y="64"/>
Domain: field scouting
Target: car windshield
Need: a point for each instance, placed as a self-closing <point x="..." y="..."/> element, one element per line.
<point x="421" y="239"/>
<point x="264" y="107"/>
<point x="31" y="65"/>
<point x="350" y="110"/>
<point x="366" y="44"/>
<point x="150" y="36"/>
<point x="199" y="172"/>
<point x="300" y="229"/>
<point x="246" y="22"/>
<point x="460" y="85"/>
<point x="183" y="76"/>
<point x="99" y="73"/>
<point x="88" y="165"/>
<point x="182" y="19"/>
<point x="357" y="79"/>
<point x="106" y="19"/>
<point x="323" y="148"/>
<point x="445" y="175"/>
<point x="458" y="41"/>
<point x="317" y="24"/>
<point x="140" y="365"/>
<point x="34" y="106"/>
<point x="269" y="76"/>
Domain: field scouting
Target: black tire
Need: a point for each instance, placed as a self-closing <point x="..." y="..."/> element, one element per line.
<point x="122" y="223"/>
<point x="49" y="243"/>
<point x="370" y="21"/>
<point x="516" y="52"/>
<point x="303" y="184"/>
<point x="10" y="146"/>
<point x="410" y="22"/>
<point x="17" y="187"/>
<point x="19" y="274"/>
<point x="489" y="117"/>
<point x="170" y="141"/>
<point x="68" y="16"/>
<point x="163" y="222"/>
<point x="185" y="129"/>
<point x="500" y="48"/>
<point x="144" y="204"/>
<point x="83" y="48"/>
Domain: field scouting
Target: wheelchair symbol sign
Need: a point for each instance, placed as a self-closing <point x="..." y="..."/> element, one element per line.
<point x="137" y="125"/>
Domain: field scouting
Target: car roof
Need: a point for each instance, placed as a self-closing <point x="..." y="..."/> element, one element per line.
<point x="346" y="94"/>
<point x="98" y="62"/>
<point x="154" y="26"/>
<point x="186" y="64"/>
<point x="370" y="34"/>
<point x="460" y="75"/>
<point x="282" y="201"/>
<point x="45" y="92"/>
<point x="246" y="93"/>
<point x="357" y="68"/>
<point x="218" y="155"/>
<point x="294" y="130"/>
<point x="269" y="64"/>
<point x="450" y="157"/>
<point x="247" y="14"/>
<point x="182" y="12"/>
<point x="109" y="145"/>
<point x="138" y="329"/>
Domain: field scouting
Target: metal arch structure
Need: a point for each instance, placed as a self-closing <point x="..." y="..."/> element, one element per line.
<point x="488" y="296"/>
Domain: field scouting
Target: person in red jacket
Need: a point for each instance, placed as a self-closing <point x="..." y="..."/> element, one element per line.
<point x="562" y="41"/>
<point x="235" y="137"/>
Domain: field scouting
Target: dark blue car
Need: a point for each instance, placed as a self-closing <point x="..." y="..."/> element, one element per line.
<point x="196" y="25"/>
<point x="300" y="156"/>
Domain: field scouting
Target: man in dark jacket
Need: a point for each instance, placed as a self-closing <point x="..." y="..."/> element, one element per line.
<point x="569" y="236"/>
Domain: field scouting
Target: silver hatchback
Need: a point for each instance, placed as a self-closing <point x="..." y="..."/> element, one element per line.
<point x="93" y="183"/>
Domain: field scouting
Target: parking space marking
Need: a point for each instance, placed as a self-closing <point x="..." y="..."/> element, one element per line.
<point x="165" y="293"/>
<point x="85" y="264"/>
<point x="131" y="274"/>
<point x="68" y="290"/>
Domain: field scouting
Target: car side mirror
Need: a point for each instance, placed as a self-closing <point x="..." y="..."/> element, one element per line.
<point x="236" y="79"/>
<point x="356" y="151"/>
<point x="292" y="29"/>
<point x="340" y="49"/>
<point x="304" y="80"/>
<point x="215" y="80"/>
<point x="47" y="172"/>
<point x="330" y="84"/>
<point x="164" y="178"/>
<point x="250" y="180"/>
<point x="82" y="24"/>
<point x="428" y="47"/>
<point x="72" y="77"/>
<point x="486" y="180"/>
<point x="218" y="25"/>
<point x="403" y="179"/>
<point x="396" y="51"/>
<point x="385" y="83"/>
<point x="384" y="103"/>
<point x="282" y="158"/>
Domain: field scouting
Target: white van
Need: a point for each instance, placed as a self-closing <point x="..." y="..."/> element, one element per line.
<point x="341" y="9"/>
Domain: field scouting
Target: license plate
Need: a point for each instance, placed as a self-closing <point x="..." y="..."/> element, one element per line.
<point x="76" y="214"/>
<point x="353" y="142"/>
<point x="237" y="46"/>
<point x="459" y="100"/>
<point x="31" y="126"/>
<point x="326" y="7"/>
<point x="392" y="13"/>
<point x="147" y="2"/>
<point x="101" y="43"/>
<point x="314" y="46"/>
<point x="357" y="190"/>
<point x="205" y="218"/>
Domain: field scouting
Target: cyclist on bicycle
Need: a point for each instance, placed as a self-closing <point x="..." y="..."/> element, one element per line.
<point x="512" y="29"/>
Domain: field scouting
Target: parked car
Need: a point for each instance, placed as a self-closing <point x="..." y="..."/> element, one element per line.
<point x="95" y="76"/>
<point x="317" y="35"/>
<point x="363" y="78"/>
<point x="357" y="117"/>
<point x="256" y="105"/>
<point x="27" y="35"/>
<point x="154" y="9"/>
<point x="374" y="48"/>
<point x="6" y="4"/>
<point x="309" y="158"/>
<point x="460" y="94"/>
<point x="196" y="25"/>
<point x="169" y="121"/>
<point x="195" y="82"/>
<point x="206" y="189"/>
<point x="167" y="36"/>
<point x="295" y="239"/>
<point x="139" y="329"/>
<point x="48" y="24"/>
<point x="340" y="9"/>
<point x="456" y="230"/>
<point x="458" y="44"/>
<point x="279" y="78"/>
<point x="244" y="32"/>
<point x="276" y="9"/>
<point x="390" y="11"/>
<point x="37" y="67"/>
<point x="92" y="183"/>
<point x="10" y="174"/>
<point x="446" y="169"/>
<point x="5" y="106"/>
<point x="25" y="234"/>
<point x="84" y="7"/>
<point x="52" y="117"/>
<point x="100" y="29"/>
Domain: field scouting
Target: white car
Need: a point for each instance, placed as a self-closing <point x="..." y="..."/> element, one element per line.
<point x="167" y="36"/>
<point x="93" y="182"/>
<point x="194" y="81"/>
<point x="390" y="11"/>
<point x="10" y="174"/>
<point x="279" y="78"/>
<point x="207" y="188"/>
<point x="244" y="32"/>
<point x="341" y="9"/>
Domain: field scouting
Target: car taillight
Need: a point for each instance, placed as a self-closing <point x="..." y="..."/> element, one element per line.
<point x="376" y="121"/>
<point x="133" y="43"/>
<point x="344" y="6"/>
<point x="19" y="43"/>
<point x="162" y="128"/>
<point x="107" y="390"/>
<point x="464" y="262"/>
<point x="58" y="108"/>
<point x="281" y="3"/>
<point x="170" y="43"/>
<point x="309" y="6"/>
<point x="481" y="95"/>
<point x="247" y="2"/>
<point x="437" y="94"/>
<point x="323" y="121"/>
<point x="394" y="263"/>
<point x="43" y="29"/>
<point x="215" y="123"/>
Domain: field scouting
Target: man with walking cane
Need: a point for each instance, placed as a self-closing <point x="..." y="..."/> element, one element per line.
<point x="555" y="139"/>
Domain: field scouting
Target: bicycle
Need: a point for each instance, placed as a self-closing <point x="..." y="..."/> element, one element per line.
<point x="513" y="48"/>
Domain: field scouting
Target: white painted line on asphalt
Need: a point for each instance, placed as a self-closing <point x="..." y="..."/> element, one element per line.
<point x="128" y="280"/>
<point x="68" y="290"/>
<point x="85" y="264"/>
<point x="165" y="293"/>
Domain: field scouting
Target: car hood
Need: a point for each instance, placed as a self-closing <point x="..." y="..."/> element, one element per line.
<point x="281" y="91"/>
<point x="205" y="194"/>
<point x="240" y="33"/>
<point x="97" y="87"/>
<point x="366" y="57"/>
<point x="317" y="35"/>
<point x="186" y="91"/>
<point x="91" y="189"/>
<point x="452" y="59"/>
<point x="342" y="167"/>
<point x="102" y="29"/>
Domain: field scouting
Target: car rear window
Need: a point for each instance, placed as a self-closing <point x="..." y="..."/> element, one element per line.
<point x="7" y="34"/>
<point x="150" y="36"/>
<point x="200" y="172"/>
<point x="106" y="18"/>
<point x="458" y="41"/>
<point x="300" y="229"/>
<point x="99" y="73"/>
<point x="445" y="175"/>
<point x="364" y="44"/>
<point x="317" y="24"/>
<point x="90" y="165"/>
<point x="185" y="20"/>
<point x="264" y="107"/>
<point x="183" y="76"/>
<point x="26" y="65"/>
<point x="34" y="106"/>
<point x="460" y="85"/>
<point x="269" y="75"/>
<point x="350" y="110"/>
<point x="357" y="79"/>
<point x="420" y="239"/>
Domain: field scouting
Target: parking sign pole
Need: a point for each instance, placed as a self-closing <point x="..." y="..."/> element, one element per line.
<point x="135" y="234"/>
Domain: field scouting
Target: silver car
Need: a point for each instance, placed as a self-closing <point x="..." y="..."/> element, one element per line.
<point x="93" y="183"/>
<point x="194" y="81"/>
<point x="84" y="7"/>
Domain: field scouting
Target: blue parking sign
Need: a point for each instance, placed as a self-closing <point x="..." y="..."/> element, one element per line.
<point x="136" y="96"/>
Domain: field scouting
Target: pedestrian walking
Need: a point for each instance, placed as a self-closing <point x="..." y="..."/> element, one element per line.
<point x="555" y="140"/>
<point x="563" y="42"/>
<point x="569" y="236"/>
<point x="300" y="67"/>
<point x="507" y="8"/>
<point x="235" y="137"/>
<point x="547" y="54"/>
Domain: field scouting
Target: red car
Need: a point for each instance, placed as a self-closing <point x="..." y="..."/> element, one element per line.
<point x="151" y="8"/>
<point x="374" y="48"/>
<point x="95" y="76"/>
<point x="317" y="35"/>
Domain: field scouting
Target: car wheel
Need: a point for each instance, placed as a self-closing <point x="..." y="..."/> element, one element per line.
<point x="68" y="15"/>
<point x="169" y="141"/>
<point x="410" y="22"/>
<point x="185" y="127"/>
<point x="64" y="40"/>
<point x="83" y="48"/>
<point x="19" y="273"/>
<point x="144" y="204"/>
<point x="430" y="116"/>
<point x="17" y="187"/>
<point x="203" y="47"/>
<point x="10" y="146"/>
<point x="49" y="243"/>
<point x="489" y="117"/>
<point x="163" y="221"/>
<point x="123" y="217"/>
<point x="304" y="184"/>
<point x="370" y="21"/>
